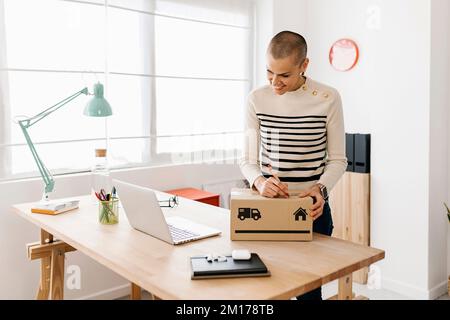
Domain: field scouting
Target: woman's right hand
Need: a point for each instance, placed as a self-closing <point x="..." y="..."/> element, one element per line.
<point x="271" y="187"/>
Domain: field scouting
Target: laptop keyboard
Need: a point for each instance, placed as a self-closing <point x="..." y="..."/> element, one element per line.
<point x="180" y="234"/>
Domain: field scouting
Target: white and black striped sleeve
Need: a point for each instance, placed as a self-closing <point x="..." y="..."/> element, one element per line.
<point x="250" y="163"/>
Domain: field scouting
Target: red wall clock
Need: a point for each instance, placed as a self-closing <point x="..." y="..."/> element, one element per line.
<point x="344" y="54"/>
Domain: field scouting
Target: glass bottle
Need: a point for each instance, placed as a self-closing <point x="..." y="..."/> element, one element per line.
<point x="100" y="177"/>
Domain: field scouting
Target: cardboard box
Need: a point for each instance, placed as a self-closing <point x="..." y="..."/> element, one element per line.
<point x="254" y="217"/>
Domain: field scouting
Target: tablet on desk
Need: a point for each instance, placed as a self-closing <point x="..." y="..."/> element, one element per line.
<point x="203" y="269"/>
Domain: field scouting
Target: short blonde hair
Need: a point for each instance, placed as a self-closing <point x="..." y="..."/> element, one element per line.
<point x="286" y="43"/>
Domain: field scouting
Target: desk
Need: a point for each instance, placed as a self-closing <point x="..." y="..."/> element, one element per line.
<point x="164" y="269"/>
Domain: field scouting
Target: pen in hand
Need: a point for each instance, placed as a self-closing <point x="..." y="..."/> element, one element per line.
<point x="286" y="194"/>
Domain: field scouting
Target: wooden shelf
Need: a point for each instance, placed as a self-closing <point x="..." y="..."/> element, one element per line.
<point x="350" y="208"/>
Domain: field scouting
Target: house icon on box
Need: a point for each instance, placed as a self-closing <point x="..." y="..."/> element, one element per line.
<point x="300" y="212"/>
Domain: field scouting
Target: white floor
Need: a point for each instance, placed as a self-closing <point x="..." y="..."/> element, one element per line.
<point x="331" y="288"/>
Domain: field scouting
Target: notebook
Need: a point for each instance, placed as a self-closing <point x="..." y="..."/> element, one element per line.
<point x="202" y="269"/>
<point x="55" y="208"/>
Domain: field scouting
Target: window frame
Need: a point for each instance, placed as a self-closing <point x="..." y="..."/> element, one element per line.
<point x="150" y="155"/>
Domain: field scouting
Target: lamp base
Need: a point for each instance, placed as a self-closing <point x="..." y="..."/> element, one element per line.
<point x="44" y="199"/>
<point x="46" y="202"/>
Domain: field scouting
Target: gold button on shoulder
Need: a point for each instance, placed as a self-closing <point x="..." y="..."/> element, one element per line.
<point x="314" y="93"/>
<point x="304" y="87"/>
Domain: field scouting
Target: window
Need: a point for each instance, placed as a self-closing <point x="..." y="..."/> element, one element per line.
<point x="176" y="73"/>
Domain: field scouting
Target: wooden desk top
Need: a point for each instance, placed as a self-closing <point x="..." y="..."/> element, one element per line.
<point x="164" y="269"/>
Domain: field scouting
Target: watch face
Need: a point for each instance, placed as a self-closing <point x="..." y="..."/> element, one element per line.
<point x="324" y="192"/>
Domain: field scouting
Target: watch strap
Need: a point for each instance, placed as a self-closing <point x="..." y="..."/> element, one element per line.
<point x="323" y="191"/>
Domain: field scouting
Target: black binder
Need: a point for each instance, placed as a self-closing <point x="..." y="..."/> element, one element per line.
<point x="203" y="269"/>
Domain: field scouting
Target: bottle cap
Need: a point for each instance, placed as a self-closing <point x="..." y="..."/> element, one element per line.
<point x="100" y="152"/>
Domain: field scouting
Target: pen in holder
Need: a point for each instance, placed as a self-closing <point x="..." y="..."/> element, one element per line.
<point x="108" y="211"/>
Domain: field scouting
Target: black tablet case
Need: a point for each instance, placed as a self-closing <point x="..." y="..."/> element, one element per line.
<point x="202" y="269"/>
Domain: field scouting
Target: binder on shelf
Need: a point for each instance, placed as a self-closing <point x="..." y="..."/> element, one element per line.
<point x="362" y="153"/>
<point x="203" y="269"/>
<point x="350" y="151"/>
<point x="357" y="151"/>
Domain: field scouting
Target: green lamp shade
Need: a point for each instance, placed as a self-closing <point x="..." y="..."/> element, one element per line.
<point x="98" y="106"/>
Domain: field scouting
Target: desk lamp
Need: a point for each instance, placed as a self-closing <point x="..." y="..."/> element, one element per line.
<point x="96" y="107"/>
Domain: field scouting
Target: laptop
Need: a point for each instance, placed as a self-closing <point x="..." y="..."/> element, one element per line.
<point x="144" y="214"/>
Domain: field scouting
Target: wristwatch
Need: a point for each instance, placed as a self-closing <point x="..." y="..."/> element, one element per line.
<point x="323" y="191"/>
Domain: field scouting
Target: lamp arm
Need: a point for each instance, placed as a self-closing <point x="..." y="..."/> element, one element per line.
<point x="45" y="173"/>
<point x="34" y="119"/>
<point x="27" y="123"/>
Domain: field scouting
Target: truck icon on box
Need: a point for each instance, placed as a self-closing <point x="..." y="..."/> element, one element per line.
<point x="248" y="213"/>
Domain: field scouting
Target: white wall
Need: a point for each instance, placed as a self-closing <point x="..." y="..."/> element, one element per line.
<point x="274" y="16"/>
<point x="19" y="277"/>
<point x="448" y="148"/>
<point x="263" y="32"/>
<point x="396" y="94"/>
<point x="439" y="106"/>
<point x="382" y="97"/>
<point x="290" y="15"/>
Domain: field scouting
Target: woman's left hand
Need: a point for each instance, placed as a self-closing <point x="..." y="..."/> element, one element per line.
<point x="317" y="207"/>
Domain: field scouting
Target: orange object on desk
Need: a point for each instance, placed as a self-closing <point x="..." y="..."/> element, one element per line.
<point x="197" y="195"/>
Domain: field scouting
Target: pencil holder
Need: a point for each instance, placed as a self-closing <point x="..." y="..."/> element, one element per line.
<point x="108" y="211"/>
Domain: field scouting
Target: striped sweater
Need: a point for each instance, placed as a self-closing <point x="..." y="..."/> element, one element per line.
<point x="300" y="134"/>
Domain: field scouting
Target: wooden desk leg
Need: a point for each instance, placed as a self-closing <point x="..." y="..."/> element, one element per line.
<point x="57" y="274"/>
<point x="44" y="285"/>
<point x="345" y="288"/>
<point x="135" y="292"/>
<point x="52" y="254"/>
